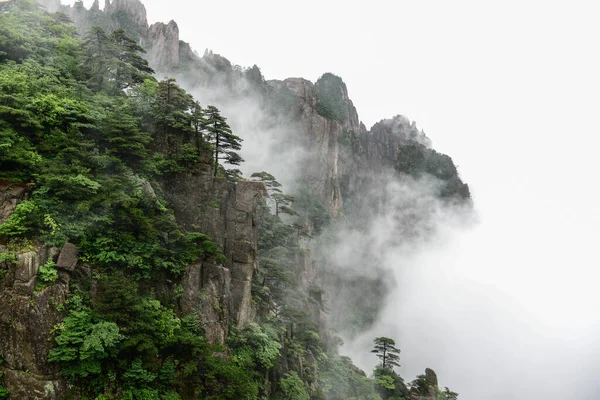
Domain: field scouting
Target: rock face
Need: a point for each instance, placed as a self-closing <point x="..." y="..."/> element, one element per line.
<point x="132" y="8"/>
<point x="217" y="292"/>
<point x="51" y="5"/>
<point x="322" y="171"/>
<point x="429" y="388"/>
<point x="227" y="213"/>
<point x="10" y="195"/>
<point x="27" y="317"/>
<point x="163" y="45"/>
<point x="68" y="257"/>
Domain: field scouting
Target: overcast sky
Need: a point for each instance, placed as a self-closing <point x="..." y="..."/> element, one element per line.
<point x="509" y="89"/>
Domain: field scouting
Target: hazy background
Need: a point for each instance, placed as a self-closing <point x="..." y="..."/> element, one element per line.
<point x="508" y="310"/>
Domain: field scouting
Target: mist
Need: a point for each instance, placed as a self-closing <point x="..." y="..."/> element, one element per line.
<point x="501" y="301"/>
<point x="503" y="306"/>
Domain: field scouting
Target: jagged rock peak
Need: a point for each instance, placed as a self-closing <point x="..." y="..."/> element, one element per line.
<point x="51" y="6"/>
<point x="401" y="127"/>
<point x="95" y="6"/>
<point x="163" y="52"/>
<point x="134" y="8"/>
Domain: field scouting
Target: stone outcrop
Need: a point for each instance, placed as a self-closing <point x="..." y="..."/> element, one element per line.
<point x="132" y="8"/>
<point x="430" y="387"/>
<point x="227" y="213"/>
<point x="10" y="195"/>
<point x="51" y="5"/>
<point x="28" y="313"/>
<point x="68" y="257"/>
<point x="163" y="46"/>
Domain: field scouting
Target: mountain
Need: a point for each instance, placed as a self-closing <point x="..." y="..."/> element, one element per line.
<point x="134" y="266"/>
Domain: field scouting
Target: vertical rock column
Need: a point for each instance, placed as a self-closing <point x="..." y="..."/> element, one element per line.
<point x="241" y="247"/>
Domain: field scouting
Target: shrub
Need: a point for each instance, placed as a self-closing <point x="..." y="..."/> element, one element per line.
<point x="292" y="387"/>
<point x="48" y="272"/>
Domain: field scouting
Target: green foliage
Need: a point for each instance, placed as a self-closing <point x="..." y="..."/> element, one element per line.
<point x="330" y="98"/>
<point x="225" y="142"/>
<point x="308" y="206"/>
<point x="339" y="379"/>
<point x="22" y="221"/>
<point x="255" y="345"/>
<point x="48" y="272"/>
<point x="389" y="384"/>
<point x="385" y="349"/>
<point x="8" y="256"/>
<point x="415" y="159"/>
<point x="447" y="394"/>
<point x="4" y="393"/>
<point x="422" y="384"/>
<point x="92" y="134"/>
<point x="83" y="344"/>
<point x="292" y="387"/>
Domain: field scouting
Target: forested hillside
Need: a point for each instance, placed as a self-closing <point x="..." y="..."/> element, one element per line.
<point x="136" y="259"/>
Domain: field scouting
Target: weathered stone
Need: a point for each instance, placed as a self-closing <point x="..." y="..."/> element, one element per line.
<point x="241" y="285"/>
<point x="24" y="288"/>
<point x="244" y="252"/>
<point x="133" y="8"/>
<point x="207" y="294"/>
<point x="67" y="259"/>
<point x="25" y="326"/>
<point x="247" y="194"/>
<point x="431" y="377"/>
<point x="53" y="253"/>
<point x="163" y="44"/>
<point x="148" y="190"/>
<point x="27" y="386"/>
<point x="10" y="195"/>
<point x="28" y="265"/>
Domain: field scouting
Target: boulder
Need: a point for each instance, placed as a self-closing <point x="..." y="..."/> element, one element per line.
<point x="67" y="259"/>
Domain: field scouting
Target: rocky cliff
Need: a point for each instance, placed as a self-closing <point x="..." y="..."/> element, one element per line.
<point x="218" y="293"/>
<point x="342" y="164"/>
<point x="347" y="166"/>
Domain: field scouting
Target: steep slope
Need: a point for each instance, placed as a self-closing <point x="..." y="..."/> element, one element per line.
<point x="259" y="278"/>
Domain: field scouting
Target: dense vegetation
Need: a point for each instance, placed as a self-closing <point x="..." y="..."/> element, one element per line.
<point x="330" y="95"/>
<point x="416" y="160"/>
<point x="92" y="134"/>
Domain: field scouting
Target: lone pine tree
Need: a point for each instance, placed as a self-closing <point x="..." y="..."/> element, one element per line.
<point x="386" y="350"/>
<point x="225" y="141"/>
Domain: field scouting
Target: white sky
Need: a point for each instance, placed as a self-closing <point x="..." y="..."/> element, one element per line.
<point x="509" y="89"/>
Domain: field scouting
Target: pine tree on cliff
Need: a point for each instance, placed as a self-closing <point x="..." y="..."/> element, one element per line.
<point x="198" y="123"/>
<point x="172" y="110"/>
<point x="225" y="142"/>
<point x="114" y="61"/>
<point x="386" y="350"/>
<point x="283" y="202"/>
<point x="131" y="68"/>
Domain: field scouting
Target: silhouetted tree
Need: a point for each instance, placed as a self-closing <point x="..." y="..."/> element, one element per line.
<point x="224" y="140"/>
<point x="386" y="350"/>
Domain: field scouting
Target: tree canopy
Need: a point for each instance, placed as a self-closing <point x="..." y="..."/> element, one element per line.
<point x="385" y="349"/>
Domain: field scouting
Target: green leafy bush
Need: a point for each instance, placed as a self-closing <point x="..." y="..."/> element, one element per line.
<point x="23" y="220"/>
<point x="83" y="344"/>
<point x="48" y="272"/>
<point x="330" y="98"/>
<point x="4" y="393"/>
<point x="292" y="387"/>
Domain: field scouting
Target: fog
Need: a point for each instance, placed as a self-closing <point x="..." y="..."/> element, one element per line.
<point x="506" y="306"/>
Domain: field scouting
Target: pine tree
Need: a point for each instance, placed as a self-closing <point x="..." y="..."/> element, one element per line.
<point x="172" y="111"/>
<point x="283" y="202"/>
<point x="97" y="52"/>
<point x="130" y="67"/>
<point x="386" y="350"/>
<point x="198" y="123"/>
<point x="225" y="142"/>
